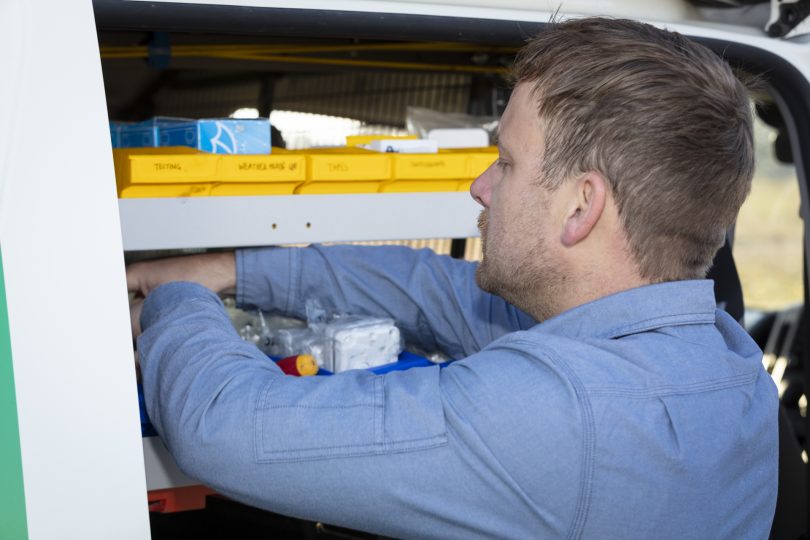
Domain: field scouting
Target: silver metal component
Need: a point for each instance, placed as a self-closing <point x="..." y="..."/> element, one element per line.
<point x="789" y="18"/>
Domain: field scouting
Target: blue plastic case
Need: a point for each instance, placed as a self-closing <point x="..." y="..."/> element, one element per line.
<point x="220" y="136"/>
<point x="143" y="134"/>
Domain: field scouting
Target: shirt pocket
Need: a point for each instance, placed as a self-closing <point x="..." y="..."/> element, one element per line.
<point x="353" y="413"/>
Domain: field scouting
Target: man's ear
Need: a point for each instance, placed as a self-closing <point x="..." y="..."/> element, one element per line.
<point x="587" y="204"/>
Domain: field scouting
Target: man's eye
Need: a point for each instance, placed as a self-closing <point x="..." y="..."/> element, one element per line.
<point x="501" y="163"/>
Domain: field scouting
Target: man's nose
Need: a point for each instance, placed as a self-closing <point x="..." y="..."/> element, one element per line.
<point x="481" y="188"/>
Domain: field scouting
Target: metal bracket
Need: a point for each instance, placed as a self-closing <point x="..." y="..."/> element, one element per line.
<point x="788" y="18"/>
<point x="160" y="50"/>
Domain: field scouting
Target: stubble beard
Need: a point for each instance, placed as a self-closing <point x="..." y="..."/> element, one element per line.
<point x="483" y="274"/>
<point x="529" y="280"/>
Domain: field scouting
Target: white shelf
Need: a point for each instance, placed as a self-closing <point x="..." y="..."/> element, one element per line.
<point x="161" y="470"/>
<point x="197" y="222"/>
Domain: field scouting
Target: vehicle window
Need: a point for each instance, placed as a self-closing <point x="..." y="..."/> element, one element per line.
<point x="768" y="234"/>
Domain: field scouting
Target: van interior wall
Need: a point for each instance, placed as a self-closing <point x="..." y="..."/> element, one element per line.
<point x="199" y="87"/>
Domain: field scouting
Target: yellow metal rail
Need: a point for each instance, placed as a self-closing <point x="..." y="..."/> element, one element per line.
<point x="293" y="54"/>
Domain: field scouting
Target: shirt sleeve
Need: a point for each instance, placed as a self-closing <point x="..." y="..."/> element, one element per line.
<point x="429" y="452"/>
<point x="433" y="298"/>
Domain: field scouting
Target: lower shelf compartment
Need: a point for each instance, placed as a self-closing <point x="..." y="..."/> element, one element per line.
<point x="179" y="499"/>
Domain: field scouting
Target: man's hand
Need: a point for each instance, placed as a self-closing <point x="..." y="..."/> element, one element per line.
<point x="135" y="308"/>
<point x="217" y="271"/>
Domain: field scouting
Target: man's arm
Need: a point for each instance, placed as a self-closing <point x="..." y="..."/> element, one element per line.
<point x="433" y="298"/>
<point x="216" y="271"/>
<point x="424" y="453"/>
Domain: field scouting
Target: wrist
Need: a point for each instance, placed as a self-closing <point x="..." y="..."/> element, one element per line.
<point x="220" y="272"/>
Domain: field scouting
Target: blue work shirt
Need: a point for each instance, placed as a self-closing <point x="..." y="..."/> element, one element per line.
<point x="644" y="414"/>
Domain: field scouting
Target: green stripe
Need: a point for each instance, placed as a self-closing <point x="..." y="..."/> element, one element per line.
<point x="13" y="524"/>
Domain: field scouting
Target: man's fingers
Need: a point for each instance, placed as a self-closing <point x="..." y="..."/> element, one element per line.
<point x="135" y="308"/>
<point x="133" y="279"/>
<point x="143" y="276"/>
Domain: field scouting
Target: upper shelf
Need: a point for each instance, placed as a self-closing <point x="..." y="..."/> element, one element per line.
<point x="198" y="222"/>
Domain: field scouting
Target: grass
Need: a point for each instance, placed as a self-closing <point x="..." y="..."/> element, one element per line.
<point x="768" y="244"/>
<point x="768" y="236"/>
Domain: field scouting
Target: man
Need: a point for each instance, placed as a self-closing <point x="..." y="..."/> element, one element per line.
<point x="599" y="393"/>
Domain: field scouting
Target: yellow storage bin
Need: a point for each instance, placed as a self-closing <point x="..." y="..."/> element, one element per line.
<point x="252" y="189"/>
<point x="426" y="172"/>
<point x="260" y="175"/>
<point x="464" y="185"/>
<point x="354" y="140"/>
<point x="184" y="172"/>
<point x="449" y="170"/>
<point x="344" y="170"/>
<point x="139" y="191"/>
<point x="478" y="161"/>
<point x="164" y="166"/>
<point x="164" y="172"/>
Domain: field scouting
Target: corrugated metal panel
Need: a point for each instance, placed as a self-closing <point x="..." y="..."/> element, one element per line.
<point x="376" y="98"/>
<point x="209" y="101"/>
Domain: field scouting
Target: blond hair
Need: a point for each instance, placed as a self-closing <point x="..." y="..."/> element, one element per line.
<point x="663" y="118"/>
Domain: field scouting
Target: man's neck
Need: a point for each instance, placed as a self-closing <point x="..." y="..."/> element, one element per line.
<point x="592" y="291"/>
<point x="581" y="286"/>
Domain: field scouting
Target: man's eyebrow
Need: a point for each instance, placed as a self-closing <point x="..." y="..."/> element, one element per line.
<point x="501" y="143"/>
<point x="497" y="138"/>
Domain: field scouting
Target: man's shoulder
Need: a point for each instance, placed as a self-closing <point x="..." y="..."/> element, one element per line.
<point x="659" y="359"/>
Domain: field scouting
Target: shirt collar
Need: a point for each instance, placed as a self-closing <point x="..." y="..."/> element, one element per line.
<point x="637" y="310"/>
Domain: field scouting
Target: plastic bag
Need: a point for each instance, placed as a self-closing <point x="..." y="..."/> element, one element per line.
<point x="420" y="121"/>
<point x="338" y="342"/>
<point x="352" y="341"/>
